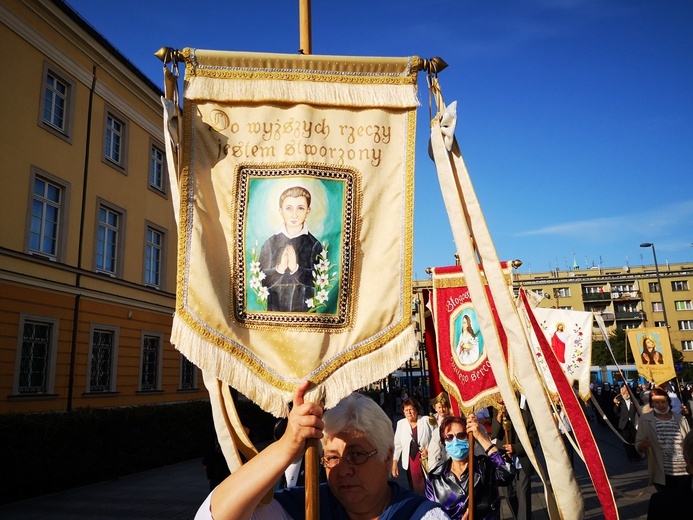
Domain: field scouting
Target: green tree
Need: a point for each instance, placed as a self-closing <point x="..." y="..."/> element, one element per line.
<point x="619" y="344"/>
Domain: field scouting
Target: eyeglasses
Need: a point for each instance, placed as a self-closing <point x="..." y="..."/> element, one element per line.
<point x="460" y="436"/>
<point x="353" y="457"/>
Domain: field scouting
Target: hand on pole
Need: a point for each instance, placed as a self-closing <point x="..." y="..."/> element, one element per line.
<point x="304" y="422"/>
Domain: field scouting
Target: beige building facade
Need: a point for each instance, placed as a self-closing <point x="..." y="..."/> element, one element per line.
<point x="87" y="234"/>
<point x="626" y="297"/>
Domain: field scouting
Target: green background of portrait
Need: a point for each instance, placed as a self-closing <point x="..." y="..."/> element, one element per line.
<point x="324" y="222"/>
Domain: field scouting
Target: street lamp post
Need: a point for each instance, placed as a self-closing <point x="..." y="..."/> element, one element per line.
<point x="659" y="281"/>
<point x="664" y="309"/>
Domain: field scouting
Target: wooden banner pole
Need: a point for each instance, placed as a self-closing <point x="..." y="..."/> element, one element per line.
<point x="305" y="41"/>
<point x="470" y="478"/>
<point x="312" y="447"/>
<point x="311" y="480"/>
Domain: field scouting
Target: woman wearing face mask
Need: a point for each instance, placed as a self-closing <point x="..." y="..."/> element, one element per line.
<point x="660" y="433"/>
<point x="448" y="482"/>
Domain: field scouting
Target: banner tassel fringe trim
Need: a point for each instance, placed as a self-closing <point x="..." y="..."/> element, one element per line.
<point x="331" y="94"/>
<point x="356" y="373"/>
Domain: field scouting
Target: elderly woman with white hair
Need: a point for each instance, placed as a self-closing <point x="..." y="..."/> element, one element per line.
<point x="357" y="446"/>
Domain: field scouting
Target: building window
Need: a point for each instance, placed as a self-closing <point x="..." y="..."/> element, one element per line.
<point x="657" y="306"/>
<point x="57" y="103"/>
<point x="627" y="307"/>
<point x="622" y="288"/>
<point x="115" y="140"/>
<point x="687" y="345"/>
<point x="154" y="242"/>
<point x="151" y="356"/>
<point x="46" y="217"/>
<point x="561" y="292"/>
<point x="659" y="324"/>
<point x="109" y="239"/>
<point x="102" y="368"/>
<point x="653" y="286"/>
<point x="680" y="285"/>
<point x="685" y="324"/>
<point x="594" y="289"/>
<point x="157" y="168"/>
<point x="627" y="325"/>
<point x="683" y="305"/>
<point x="188" y="374"/>
<point x="36" y="356"/>
<point x="46" y="208"/>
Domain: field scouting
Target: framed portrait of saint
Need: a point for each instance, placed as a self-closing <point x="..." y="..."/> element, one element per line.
<point x="468" y="342"/>
<point x="294" y="245"/>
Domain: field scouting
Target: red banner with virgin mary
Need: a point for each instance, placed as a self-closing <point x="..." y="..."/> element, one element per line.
<point x="465" y="370"/>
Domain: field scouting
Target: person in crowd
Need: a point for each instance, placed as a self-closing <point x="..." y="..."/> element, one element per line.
<point x="597" y="396"/>
<point x="357" y="453"/>
<point x="412" y="437"/>
<point x="564" y="427"/>
<point x="686" y="397"/>
<point x="627" y="413"/>
<point x="519" y="493"/>
<point x="484" y="417"/>
<point x="448" y="482"/>
<point x="675" y="503"/>
<point x="644" y="396"/>
<point x="213" y="461"/>
<point x="660" y="433"/>
<point x="587" y="407"/>
<point x="607" y="403"/>
<point x="676" y="404"/>
<point x="436" y="451"/>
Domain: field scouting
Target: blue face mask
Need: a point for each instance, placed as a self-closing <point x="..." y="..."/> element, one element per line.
<point x="457" y="449"/>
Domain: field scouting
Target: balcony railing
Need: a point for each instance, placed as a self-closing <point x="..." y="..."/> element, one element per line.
<point x="606" y="316"/>
<point x="592" y="297"/>
<point x="628" y="295"/>
<point x="637" y="315"/>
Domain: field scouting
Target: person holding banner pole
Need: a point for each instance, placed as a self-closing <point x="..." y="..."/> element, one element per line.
<point x="448" y="482"/>
<point x="357" y="453"/>
<point x="519" y="493"/>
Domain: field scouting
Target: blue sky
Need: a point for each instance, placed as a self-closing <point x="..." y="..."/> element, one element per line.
<point x="575" y="117"/>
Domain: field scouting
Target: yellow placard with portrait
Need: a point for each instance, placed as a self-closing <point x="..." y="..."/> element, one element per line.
<point x="652" y="353"/>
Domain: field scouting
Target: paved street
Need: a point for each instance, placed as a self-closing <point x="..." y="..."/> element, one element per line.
<point x="175" y="492"/>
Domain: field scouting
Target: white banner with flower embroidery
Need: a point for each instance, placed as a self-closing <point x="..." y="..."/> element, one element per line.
<point x="570" y="335"/>
<point x="296" y="221"/>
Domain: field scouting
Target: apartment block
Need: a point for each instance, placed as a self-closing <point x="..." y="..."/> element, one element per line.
<point x="626" y="297"/>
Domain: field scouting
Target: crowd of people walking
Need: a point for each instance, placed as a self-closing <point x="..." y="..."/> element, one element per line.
<point x="361" y="451"/>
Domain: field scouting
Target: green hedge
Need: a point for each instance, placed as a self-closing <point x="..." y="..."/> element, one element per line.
<point x="48" y="452"/>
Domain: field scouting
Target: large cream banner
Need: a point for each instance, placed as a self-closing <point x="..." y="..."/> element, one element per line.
<point x="295" y="234"/>
<point x="570" y="335"/>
